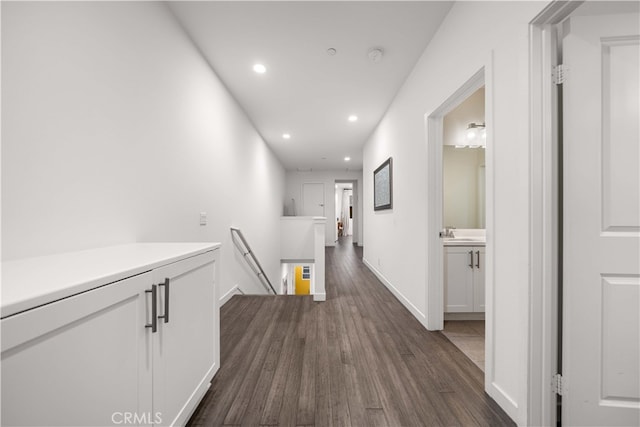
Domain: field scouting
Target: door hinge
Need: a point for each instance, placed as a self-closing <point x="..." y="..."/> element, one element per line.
<point x="560" y="72"/>
<point x="557" y="384"/>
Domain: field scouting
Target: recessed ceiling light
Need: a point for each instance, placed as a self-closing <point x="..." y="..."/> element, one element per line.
<point x="286" y="136"/>
<point x="259" y="68"/>
<point x="346" y="159"/>
<point x="353" y="118"/>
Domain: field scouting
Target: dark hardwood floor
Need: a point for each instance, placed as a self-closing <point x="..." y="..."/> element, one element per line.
<point x="358" y="359"/>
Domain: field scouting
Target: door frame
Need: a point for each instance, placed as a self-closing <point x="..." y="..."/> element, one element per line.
<point x="435" y="138"/>
<point x="545" y="201"/>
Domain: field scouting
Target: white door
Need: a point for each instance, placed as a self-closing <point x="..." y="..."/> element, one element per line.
<point x="458" y="279"/>
<point x="186" y="344"/>
<point x="312" y="199"/>
<point x="601" y="275"/>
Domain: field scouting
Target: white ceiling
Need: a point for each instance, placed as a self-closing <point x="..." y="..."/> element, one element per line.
<point x="306" y="92"/>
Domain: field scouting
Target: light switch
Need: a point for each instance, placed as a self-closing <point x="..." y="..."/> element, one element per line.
<point x="203" y="218"/>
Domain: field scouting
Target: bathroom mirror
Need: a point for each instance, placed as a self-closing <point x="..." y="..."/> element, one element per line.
<point x="464" y="187"/>
<point x="463" y="166"/>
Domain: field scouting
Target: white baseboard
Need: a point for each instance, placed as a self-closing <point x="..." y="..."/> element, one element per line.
<point x="403" y="300"/>
<point x="319" y="297"/>
<point x="233" y="291"/>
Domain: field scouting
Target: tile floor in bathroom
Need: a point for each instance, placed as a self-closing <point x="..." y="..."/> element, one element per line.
<point x="468" y="336"/>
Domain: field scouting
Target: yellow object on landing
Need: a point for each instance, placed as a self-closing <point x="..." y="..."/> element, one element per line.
<point x="302" y="284"/>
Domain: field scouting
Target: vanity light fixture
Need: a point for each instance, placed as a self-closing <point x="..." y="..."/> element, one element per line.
<point x="474" y="130"/>
<point x="475" y="136"/>
<point x="346" y="159"/>
<point x="259" y="68"/>
<point x="286" y="136"/>
<point x="353" y="118"/>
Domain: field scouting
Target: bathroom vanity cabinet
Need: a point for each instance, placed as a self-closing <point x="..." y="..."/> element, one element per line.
<point x="464" y="279"/>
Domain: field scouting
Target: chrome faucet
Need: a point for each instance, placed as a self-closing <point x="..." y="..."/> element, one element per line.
<point x="448" y="231"/>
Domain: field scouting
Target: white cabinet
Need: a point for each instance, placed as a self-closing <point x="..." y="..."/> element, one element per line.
<point x="79" y="361"/>
<point x="464" y="279"/>
<point x="94" y="358"/>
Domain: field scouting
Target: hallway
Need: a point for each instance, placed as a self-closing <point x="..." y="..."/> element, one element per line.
<point x="359" y="359"/>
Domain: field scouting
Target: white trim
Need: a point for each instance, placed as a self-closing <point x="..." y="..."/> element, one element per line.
<point x="434" y="262"/>
<point x="403" y="300"/>
<point x="233" y="291"/>
<point x="543" y="215"/>
<point x="505" y="401"/>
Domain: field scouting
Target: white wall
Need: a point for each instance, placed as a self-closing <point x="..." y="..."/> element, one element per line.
<point x="474" y="35"/>
<point x="297" y="238"/>
<point x="294" y="181"/>
<point x="114" y="130"/>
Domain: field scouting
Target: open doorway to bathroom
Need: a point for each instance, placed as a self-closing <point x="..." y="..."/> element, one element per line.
<point x="345" y="211"/>
<point x="463" y="195"/>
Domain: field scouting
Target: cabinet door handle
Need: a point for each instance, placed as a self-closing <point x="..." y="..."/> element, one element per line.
<point x="471" y="259"/>
<point x="478" y="263"/>
<point x="165" y="316"/>
<point x="154" y="302"/>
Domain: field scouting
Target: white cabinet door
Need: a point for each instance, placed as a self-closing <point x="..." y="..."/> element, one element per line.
<point x="458" y="279"/>
<point x="81" y="361"/>
<point x="186" y="346"/>
<point x="478" y="279"/>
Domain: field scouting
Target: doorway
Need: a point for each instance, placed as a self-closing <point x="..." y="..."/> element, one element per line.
<point x="436" y="219"/>
<point x="344" y="210"/>
<point x="346" y="215"/>
<point x="435" y="212"/>
<point x="463" y="178"/>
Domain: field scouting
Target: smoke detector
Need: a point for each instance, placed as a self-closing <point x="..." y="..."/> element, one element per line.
<point x="331" y="51"/>
<point x="375" y="54"/>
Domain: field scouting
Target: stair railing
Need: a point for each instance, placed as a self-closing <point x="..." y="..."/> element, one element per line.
<point x="245" y="249"/>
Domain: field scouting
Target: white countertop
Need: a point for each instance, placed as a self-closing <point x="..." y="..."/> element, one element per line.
<point x="464" y="242"/>
<point x="466" y="237"/>
<point x="31" y="282"/>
